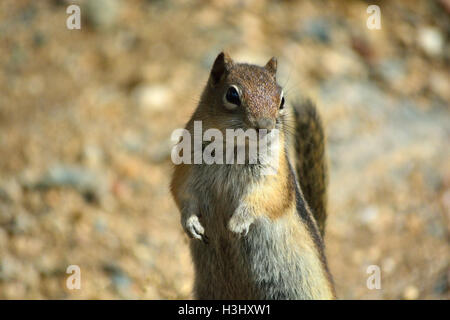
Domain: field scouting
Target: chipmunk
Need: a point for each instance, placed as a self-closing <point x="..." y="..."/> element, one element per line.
<point x="256" y="236"/>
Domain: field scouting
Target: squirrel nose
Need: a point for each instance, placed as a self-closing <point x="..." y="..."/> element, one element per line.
<point x="265" y="123"/>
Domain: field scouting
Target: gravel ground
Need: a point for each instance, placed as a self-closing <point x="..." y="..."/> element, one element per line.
<point x="86" y="117"/>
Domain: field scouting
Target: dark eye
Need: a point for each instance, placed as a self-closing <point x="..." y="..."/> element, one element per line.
<point x="282" y="103"/>
<point x="232" y="96"/>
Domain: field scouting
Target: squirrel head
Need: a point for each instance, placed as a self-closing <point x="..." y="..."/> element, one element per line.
<point x="247" y="95"/>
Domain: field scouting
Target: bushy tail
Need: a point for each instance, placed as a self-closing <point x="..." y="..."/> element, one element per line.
<point x="311" y="163"/>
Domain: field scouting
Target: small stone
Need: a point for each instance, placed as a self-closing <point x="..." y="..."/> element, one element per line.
<point x="100" y="225"/>
<point x="10" y="268"/>
<point x="66" y="175"/>
<point x="93" y="156"/>
<point x="151" y="293"/>
<point x="411" y="293"/>
<point x="85" y="181"/>
<point x="436" y="229"/>
<point x="152" y="97"/>
<point x="388" y="265"/>
<point x="317" y="29"/>
<point x="343" y="62"/>
<point x="132" y="141"/>
<point x="431" y="40"/>
<point x="39" y="39"/>
<point x="368" y="215"/>
<point x="392" y="70"/>
<point x="102" y="14"/>
<point x="20" y="223"/>
<point x="120" y="280"/>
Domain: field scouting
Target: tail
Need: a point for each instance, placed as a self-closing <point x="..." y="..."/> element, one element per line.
<point x="311" y="163"/>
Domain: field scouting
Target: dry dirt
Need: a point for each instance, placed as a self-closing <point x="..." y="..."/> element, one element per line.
<point x="86" y="117"/>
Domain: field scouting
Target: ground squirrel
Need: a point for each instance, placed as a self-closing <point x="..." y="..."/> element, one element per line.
<point x="260" y="235"/>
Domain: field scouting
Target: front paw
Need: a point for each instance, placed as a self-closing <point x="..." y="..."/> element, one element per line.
<point x="194" y="228"/>
<point x="240" y="222"/>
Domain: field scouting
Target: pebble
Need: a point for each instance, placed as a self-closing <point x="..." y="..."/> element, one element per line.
<point x="86" y="181"/>
<point x="343" y="63"/>
<point x="101" y="225"/>
<point x="389" y="264"/>
<point x="316" y="28"/>
<point x="93" y="156"/>
<point x="411" y="293"/>
<point x="10" y="268"/>
<point x="431" y="41"/>
<point x="20" y="223"/>
<point x="132" y="141"/>
<point x="152" y="97"/>
<point x="392" y="70"/>
<point x="120" y="280"/>
<point x="102" y="14"/>
<point x="368" y="215"/>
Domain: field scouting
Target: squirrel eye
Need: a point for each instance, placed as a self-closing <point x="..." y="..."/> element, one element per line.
<point x="282" y="103"/>
<point x="232" y="96"/>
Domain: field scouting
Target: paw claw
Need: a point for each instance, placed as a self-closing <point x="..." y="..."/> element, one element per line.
<point x="239" y="225"/>
<point x="194" y="229"/>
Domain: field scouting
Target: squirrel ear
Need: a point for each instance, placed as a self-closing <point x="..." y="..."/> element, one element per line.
<point x="222" y="64"/>
<point x="271" y="66"/>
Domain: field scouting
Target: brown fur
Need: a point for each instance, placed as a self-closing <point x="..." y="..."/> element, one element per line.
<point x="311" y="162"/>
<point x="260" y="240"/>
<point x="276" y="194"/>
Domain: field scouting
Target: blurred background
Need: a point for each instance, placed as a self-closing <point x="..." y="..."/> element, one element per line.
<point x="86" y="117"/>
